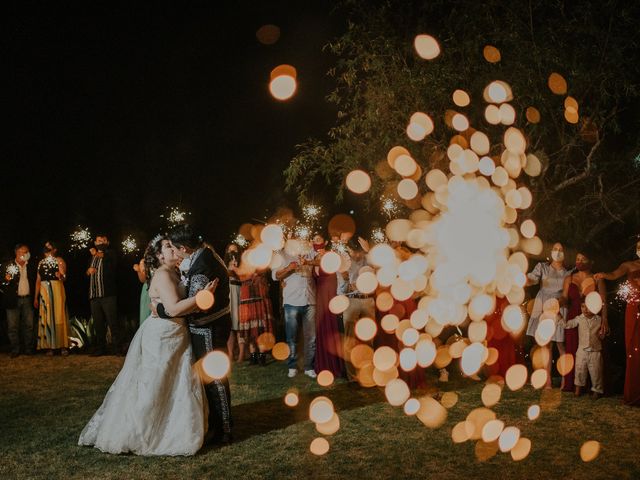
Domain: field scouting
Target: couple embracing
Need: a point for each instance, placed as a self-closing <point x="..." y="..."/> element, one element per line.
<point x="158" y="405"/>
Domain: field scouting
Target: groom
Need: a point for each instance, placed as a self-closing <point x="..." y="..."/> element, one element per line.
<point x="201" y="265"/>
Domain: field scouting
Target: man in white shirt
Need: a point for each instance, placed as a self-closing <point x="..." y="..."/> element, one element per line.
<point x="19" y="293"/>
<point x="299" y="299"/>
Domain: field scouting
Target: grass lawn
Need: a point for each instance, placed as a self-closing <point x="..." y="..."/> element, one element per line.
<point x="45" y="402"/>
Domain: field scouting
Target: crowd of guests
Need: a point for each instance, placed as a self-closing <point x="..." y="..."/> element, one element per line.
<point x="37" y="318"/>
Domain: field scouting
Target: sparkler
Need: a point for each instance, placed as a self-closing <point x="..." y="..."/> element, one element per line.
<point x="175" y="216"/>
<point x="628" y="293"/>
<point x="302" y="231"/>
<point x="390" y="207"/>
<point x="311" y="213"/>
<point x="129" y="245"/>
<point x="378" y="236"/>
<point x="12" y="270"/>
<point x="80" y="238"/>
<point x="240" y="241"/>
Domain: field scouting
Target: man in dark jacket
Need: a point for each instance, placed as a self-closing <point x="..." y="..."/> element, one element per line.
<point x="102" y="295"/>
<point x="19" y="284"/>
<point x="204" y="266"/>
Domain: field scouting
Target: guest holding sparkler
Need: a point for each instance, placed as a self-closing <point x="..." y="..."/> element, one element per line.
<point x="19" y="280"/>
<point x="102" y="295"/>
<point x="51" y="300"/>
<point x="631" y="294"/>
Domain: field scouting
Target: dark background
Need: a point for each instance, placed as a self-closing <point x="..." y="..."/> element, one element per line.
<point x="116" y="113"/>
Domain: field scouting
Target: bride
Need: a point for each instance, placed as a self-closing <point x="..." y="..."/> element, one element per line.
<point x="156" y="405"/>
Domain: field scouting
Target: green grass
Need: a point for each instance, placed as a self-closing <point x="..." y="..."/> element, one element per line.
<point x="45" y="402"/>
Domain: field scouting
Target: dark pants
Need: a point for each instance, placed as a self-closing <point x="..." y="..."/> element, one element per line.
<point x="104" y="311"/>
<point x="218" y="392"/>
<point x="20" y="321"/>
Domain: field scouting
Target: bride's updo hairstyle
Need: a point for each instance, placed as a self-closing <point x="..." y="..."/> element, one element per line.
<point x="151" y="261"/>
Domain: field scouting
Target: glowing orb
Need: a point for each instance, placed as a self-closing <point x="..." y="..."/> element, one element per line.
<point x="533" y="412"/>
<point x="283" y="82"/>
<point x="431" y="413"/>
<point x="491" y="54"/>
<point x="435" y="179"/>
<point x="516" y="376"/>
<point x="325" y="378"/>
<point x="397" y="392"/>
<point x="367" y="282"/>
<point x="266" y="341"/>
<point x="361" y="355"/>
<point x="330" y="262"/>
<point x="533" y="115"/>
<point x="358" y="181"/>
<point x="426" y="46"/>
<point x="460" y="122"/>
<point x="319" y="446"/>
<point x="411" y="406"/>
<point x="594" y="302"/>
<point x="589" y="450"/>
<point x="338" y="304"/>
<point x="204" y="299"/>
<point x="492" y="114"/>
<point x="521" y="449"/>
<point x="461" y="98"/>
<point x="385" y="358"/>
<point x="280" y="351"/>
<point x="492" y="430"/>
<point x="389" y="323"/>
<point x="425" y="353"/>
<point x="321" y="410"/>
<point x="565" y="363"/>
<point x="216" y="364"/>
<point x="366" y="329"/>
<point x="539" y="378"/>
<point x="449" y="399"/>
<point x="508" y="438"/>
<point x="459" y="433"/>
<point x="491" y="394"/>
<point x="557" y="84"/>
<point x="405" y="165"/>
<point x="408" y="359"/>
<point x="472" y="358"/>
<point x="272" y="236"/>
<point x="330" y="427"/>
<point x="291" y="399"/>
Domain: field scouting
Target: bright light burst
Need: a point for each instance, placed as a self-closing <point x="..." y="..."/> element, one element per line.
<point x="390" y="207"/>
<point x="80" y="238"/>
<point x="129" y="245"/>
<point x="12" y="270"/>
<point x="311" y="213"/>
<point x="240" y="241"/>
<point x="175" y="215"/>
<point x="628" y="293"/>
<point x="377" y="235"/>
<point x="302" y="231"/>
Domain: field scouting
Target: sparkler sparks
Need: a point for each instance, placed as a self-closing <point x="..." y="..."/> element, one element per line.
<point x="378" y="236"/>
<point x="129" y="245"/>
<point x="390" y="207"/>
<point x="240" y="241"/>
<point x="12" y="270"/>
<point x="302" y="231"/>
<point x="80" y="238"/>
<point x="175" y="216"/>
<point x="311" y="213"/>
<point x="628" y="293"/>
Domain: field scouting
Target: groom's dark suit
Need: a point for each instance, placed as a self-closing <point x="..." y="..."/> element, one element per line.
<point x="205" y="266"/>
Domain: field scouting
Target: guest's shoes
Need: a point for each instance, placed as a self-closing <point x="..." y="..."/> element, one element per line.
<point x="49" y="352"/>
<point x="64" y="352"/>
<point x="578" y="391"/>
<point x="262" y="359"/>
<point x="253" y="359"/>
<point x="292" y="373"/>
<point x="444" y="375"/>
<point x="14" y="354"/>
<point x="310" y="373"/>
<point x="596" y="395"/>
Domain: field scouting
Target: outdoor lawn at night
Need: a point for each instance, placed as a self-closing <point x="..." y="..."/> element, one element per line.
<point x="331" y="239"/>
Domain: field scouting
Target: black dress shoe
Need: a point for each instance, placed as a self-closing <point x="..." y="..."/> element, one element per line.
<point x="262" y="359"/>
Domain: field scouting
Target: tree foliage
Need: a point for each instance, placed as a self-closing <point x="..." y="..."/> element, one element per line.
<point x="590" y="183"/>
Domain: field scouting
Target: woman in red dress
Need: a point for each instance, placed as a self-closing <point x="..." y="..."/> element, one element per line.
<point x="256" y="314"/>
<point x="509" y="350"/>
<point x="631" y="325"/>
<point x="328" y="342"/>
<point x="579" y="284"/>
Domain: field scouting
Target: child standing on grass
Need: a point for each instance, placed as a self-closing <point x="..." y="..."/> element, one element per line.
<point x="589" y="353"/>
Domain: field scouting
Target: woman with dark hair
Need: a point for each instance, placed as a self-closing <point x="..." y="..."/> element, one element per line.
<point x="156" y="404"/>
<point x="631" y="324"/>
<point x="145" y="301"/>
<point x="576" y="285"/>
<point x="51" y="301"/>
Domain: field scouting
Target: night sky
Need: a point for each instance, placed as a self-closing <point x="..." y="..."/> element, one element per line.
<point x="115" y="113"/>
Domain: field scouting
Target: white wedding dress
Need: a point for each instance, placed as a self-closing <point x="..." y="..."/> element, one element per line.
<point x="156" y="405"/>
